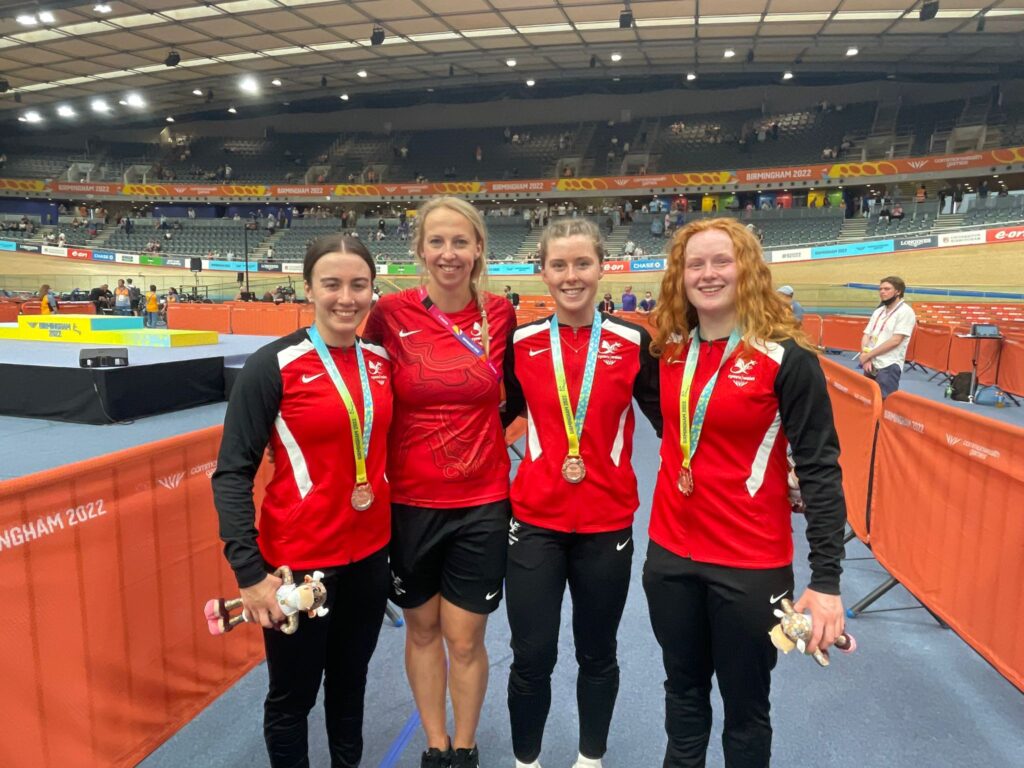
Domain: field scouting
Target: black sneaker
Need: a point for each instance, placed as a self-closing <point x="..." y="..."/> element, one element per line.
<point x="466" y="758"/>
<point x="436" y="758"/>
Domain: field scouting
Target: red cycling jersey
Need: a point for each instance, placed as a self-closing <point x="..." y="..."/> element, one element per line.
<point x="447" y="448"/>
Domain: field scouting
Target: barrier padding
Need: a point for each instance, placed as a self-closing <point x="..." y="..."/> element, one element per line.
<point x="930" y="343"/>
<point x="856" y="408"/>
<point x="842" y="332"/>
<point x="253" y="319"/>
<point x="106" y="565"/>
<point x="947" y="521"/>
<point x="63" y="308"/>
<point x="811" y="325"/>
<point x="8" y="312"/>
<point x="961" y="352"/>
<point x="1011" y="364"/>
<point x="199" y="317"/>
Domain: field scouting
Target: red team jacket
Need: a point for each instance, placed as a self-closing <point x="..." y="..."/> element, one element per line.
<point x="607" y="498"/>
<point x="739" y="514"/>
<point x="447" y="448"/>
<point x="284" y="398"/>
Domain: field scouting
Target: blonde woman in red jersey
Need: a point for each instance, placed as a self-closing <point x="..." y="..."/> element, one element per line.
<point x="449" y="469"/>
<point x="575" y="493"/>
<point x="738" y="381"/>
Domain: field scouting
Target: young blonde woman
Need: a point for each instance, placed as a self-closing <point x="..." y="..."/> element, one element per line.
<point x="574" y="497"/>
<point x="739" y="381"/>
<point x="449" y="470"/>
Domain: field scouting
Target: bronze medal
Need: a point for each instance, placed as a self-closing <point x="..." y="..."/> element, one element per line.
<point x="573" y="469"/>
<point x="685" y="481"/>
<point x="362" y="497"/>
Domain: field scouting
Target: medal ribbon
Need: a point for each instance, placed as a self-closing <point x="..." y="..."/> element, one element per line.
<point x="360" y="435"/>
<point x="574" y="422"/>
<point x="689" y="434"/>
<point x="457" y="332"/>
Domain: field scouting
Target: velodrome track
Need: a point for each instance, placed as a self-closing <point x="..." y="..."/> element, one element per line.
<point x="978" y="267"/>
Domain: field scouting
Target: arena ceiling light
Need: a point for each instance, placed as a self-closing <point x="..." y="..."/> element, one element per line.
<point x="276" y="81"/>
<point x="787" y="75"/>
<point x="232" y="110"/>
<point x="530" y="83"/>
<point x="197" y="91"/>
<point x="361" y="73"/>
<point x="691" y="76"/>
<point x="27" y="20"/>
<point x="344" y="97"/>
<point x="48" y="18"/>
<point x="99" y="105"/>
<point x="728" y="53"/>
<point x="510" y="62"/>
<point x="616" y="57"/>
<point x="101" y="8"/>
<point x="170" y="119"/>
<point x="249" y="84"/>
<point x="135" y="100"/>
<point x="852" y="51"/>
<point x="33" y="117"/>
<point x="65" y="110"/>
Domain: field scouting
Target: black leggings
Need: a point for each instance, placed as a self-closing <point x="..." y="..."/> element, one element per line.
<point x="336" y="648"/>
<point x="712" y="619"/>
<point x="540" y="563"/>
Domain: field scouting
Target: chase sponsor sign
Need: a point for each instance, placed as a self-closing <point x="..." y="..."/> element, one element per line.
<point x="912" y="243"/>
<point x="103" y="256"/>
<point x="647" y="265"/>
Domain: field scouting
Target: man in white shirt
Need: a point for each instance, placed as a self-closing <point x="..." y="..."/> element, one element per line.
<point x="887" y="336"/>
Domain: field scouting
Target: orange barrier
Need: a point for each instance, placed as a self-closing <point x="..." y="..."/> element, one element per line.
<point x="931" y="343"/>
<point x="842" y="331"/>
<point x="106" y="565"/>
<point x="811" y="325"/>
<point x="638" y="318"/>
<point x="961" y="352"/>
<point x="946" y="522"/>
<point x="31" y="307"/>
<point x="8" y="312"/>
<point x="186" y="316"/>
<point x="856" y="408"/>
<point x="1011" y="365"/>
<point x="264" y="319"/>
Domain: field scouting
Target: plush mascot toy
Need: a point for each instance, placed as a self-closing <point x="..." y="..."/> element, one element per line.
<point x="794" y="631"/>
<point x="308" y="596"/>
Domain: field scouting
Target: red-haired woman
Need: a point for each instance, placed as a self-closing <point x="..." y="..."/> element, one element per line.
<point x="739" y="381"/>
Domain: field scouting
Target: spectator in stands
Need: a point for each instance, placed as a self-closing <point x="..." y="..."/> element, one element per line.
<point x="478" y="153"/>
<point x="921" y="195"/>
<point x="172" y="298"/>
<point x="958" y="197"/>
<point x="887" y="336"/>
<point x="647" y="303"/>
<point x="606" y="305"/>
<point x="512" y="296"/>
<point x="152" y="314"/>
<point x="628" y="299"/>
<point x="786" y="292"/>
<point x="270" y="255"/>
<point x="62" y="239"/>
<point x="382" y="224"/>
<point x="885" y="213"/>
<point x="638" y="252"/>
<point x="897" y="212"/>
<point x="191" y="212"/>
<point x="657" y="225"/>
<point x="983" y="190"/>
<point x="628" y="248"/>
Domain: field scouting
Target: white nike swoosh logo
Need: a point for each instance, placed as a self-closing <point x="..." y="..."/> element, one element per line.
<point x="776" y="599"/>
<point x="307" y="379"/>
<point x="492" y="595"/>
<point x="622" y="546"/>
<point x="403" y="334"/>
<point x="535" y="352"/>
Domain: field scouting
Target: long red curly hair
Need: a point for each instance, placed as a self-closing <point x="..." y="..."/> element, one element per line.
<point x="760" y="313"/>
